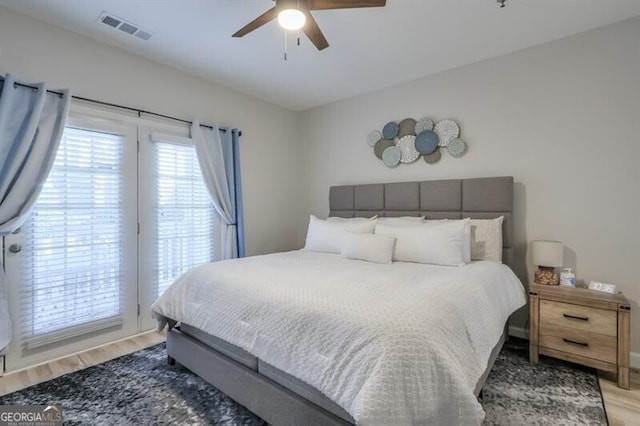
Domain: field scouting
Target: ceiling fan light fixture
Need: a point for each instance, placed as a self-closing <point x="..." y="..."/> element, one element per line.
<point x="291" y="19"/>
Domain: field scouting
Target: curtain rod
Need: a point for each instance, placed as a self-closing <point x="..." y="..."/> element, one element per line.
<point x="128" y="108"/>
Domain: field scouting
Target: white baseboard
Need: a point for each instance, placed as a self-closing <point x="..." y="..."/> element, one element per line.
<point x="634" y="359"/>
<point x="518" y="332"/>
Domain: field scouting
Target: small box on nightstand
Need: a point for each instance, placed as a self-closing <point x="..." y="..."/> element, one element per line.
<point x="582" y="326"/>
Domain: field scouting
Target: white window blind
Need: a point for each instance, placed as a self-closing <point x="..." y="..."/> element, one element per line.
<point x="72" y="254"/>
<point x="186" y="223"/>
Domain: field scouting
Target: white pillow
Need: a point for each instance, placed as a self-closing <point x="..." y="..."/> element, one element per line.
<point x="350" y="219"/>
<point x="486" y="239"/>
<point x="435" y="243"/>
<point x="466" y="248"/>
<point x="369" y="247"/>
<point x="327" y="236"/>
<point x="402" y="220"/>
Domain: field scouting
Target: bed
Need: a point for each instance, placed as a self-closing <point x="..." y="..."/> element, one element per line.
<point x="274" y="350"/>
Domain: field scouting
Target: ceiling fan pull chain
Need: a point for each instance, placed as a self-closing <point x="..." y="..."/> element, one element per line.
<point x="285" y="45"/>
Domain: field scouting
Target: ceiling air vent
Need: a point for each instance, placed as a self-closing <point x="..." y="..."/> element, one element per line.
<point x="124" y="26"/>
<point x="143" y="35"/>
<point x="111" y="21"/>
<point x="127" y="28"/>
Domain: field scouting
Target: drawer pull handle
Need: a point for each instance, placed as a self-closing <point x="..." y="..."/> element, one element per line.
<point x="576" y="343"/>
<point x="576" y="317"/>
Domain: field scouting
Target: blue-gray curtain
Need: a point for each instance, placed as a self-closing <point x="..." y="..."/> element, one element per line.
<point x="31" y="125"/>
<point x="231" y="154"/>
<point x="218" y="156"/>
<point x="237" y="190"/>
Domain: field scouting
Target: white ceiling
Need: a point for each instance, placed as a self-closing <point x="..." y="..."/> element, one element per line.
<point x="369" y="48"/>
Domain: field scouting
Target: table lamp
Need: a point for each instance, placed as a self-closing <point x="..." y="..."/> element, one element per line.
<point x="546" y="255"/>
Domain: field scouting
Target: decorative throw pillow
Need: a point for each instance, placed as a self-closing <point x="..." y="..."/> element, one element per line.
<point x="328" y="236"/>
<point x="368" y="247"/>
<point x="434" y="243"/>
<point x="486" y="239"/>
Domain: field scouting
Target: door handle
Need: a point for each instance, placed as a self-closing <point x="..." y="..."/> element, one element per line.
<point x="15" y="248"/>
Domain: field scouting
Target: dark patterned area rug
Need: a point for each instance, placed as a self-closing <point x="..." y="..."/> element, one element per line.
<point x="141" y="389"/>
<point x="553" y="392"/>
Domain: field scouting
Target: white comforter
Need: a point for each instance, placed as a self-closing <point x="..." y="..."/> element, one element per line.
<point x="394" y="344"/>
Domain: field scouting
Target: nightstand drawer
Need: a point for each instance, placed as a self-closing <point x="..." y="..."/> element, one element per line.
<point x="593" y="345"/>
<point x="579" y="317"/>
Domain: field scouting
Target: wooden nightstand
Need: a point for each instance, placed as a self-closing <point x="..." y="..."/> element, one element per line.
<point x="583" y="326"/>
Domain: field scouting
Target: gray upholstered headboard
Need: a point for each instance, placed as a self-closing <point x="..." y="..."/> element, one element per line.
<point x="480" y="198"/>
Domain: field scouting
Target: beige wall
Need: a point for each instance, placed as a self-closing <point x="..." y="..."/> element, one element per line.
<point x="562" y="118"/>
<point x="35" y="51"/>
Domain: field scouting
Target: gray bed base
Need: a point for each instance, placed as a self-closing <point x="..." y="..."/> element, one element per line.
<point x="251" y="384"/>
<point x="269" y="400"/>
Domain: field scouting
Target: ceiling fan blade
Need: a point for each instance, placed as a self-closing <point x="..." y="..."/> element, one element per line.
<point x="312" y="30"/>
<point x="268" y="16"/>
<point x="344" y="4"/>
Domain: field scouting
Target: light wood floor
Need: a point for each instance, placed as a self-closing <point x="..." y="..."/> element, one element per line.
<point x="623" y="407"/>
<point x="21" y="379"/>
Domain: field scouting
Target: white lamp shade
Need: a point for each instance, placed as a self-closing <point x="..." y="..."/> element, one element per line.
<point x="291" y="19"/>
<point x="546" y="253"/>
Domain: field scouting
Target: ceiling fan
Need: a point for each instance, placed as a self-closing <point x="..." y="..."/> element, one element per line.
<point x="296" y="14"/>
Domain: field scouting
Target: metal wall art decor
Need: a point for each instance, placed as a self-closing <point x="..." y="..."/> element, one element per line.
<point x="405" y="141"/>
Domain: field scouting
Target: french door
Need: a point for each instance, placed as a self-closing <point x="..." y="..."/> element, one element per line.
<point x="179" y="227"/>
<point x="72" y="267"/>
<point x="123" y="213"/>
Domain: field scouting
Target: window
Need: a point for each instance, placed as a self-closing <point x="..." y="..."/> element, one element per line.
<point x="185" y="219"/>
<point x="73" y="268"/>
